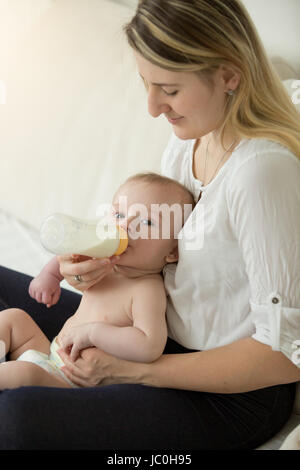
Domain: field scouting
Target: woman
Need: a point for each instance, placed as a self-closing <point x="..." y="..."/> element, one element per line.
<point x="226" y="379"/>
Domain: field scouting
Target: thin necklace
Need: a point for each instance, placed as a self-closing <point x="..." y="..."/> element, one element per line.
<point x="220" y="161"/>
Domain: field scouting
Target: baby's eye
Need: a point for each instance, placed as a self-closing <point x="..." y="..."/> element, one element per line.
<point x="118" y="215"/>
<point x="147" y="222"/>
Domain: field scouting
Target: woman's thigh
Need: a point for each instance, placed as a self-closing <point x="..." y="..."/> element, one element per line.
<point x="14" y="293"/>
<point x="136" y="417"/>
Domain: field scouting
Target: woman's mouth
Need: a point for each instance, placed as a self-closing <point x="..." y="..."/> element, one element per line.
<point x="174" y="120"/>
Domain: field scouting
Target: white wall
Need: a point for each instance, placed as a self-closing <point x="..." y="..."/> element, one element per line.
<point x="16" y="18"/>
<point x="131" y="3"/>
<point x="278" y="24"/>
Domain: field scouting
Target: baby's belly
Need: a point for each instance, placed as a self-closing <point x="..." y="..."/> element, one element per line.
<point x="72" y="321"/>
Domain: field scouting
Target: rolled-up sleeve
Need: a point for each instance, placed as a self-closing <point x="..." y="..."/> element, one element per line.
<point x="264" y="206"/>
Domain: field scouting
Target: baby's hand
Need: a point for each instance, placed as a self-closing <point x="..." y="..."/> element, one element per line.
<point x="76" y="339"/>
<point x="45" y="288"/>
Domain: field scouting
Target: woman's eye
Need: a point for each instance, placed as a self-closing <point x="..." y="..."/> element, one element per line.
<point x="170" y="94"/>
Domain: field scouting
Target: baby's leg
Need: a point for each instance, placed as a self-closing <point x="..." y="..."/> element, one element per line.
<point x="19" y="333"/>
<point x="14" y="374"/>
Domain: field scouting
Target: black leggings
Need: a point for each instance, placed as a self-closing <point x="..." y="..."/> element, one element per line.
<point x="128" y="417"/>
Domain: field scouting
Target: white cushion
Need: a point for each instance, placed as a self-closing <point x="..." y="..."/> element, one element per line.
<point x="75" y="123"/>
<point x="277" y="23"/>
<point x="292" y="442"/>
<point x="293" y="88"/>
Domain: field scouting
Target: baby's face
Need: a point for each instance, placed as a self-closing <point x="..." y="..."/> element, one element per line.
<point x="152" y="216"/>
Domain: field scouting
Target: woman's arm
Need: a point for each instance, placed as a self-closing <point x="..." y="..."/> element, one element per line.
<point x="242" y="366"/>
<point x="263" y="200"/>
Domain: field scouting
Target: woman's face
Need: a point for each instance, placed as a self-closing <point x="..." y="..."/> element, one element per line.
<point x="190" y="104"/>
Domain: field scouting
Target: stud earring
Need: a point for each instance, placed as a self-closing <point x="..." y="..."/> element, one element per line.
<point x="230" y="92"/>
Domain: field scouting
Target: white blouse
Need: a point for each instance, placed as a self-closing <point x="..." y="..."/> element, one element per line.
<point x="238" y="273"/>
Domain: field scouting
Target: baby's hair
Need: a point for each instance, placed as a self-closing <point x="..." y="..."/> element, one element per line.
<point x="156" y="178"/>
<point x="182" y="200"/>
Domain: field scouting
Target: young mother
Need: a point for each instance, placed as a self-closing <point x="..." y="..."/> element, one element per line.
<point x="227" y="378"/>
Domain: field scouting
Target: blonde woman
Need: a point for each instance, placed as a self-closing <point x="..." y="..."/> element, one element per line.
<point x="227" y="377"/>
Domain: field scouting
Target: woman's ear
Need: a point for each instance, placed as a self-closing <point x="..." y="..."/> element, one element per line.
<point x="231" y="77"/>
<point x="173" y="256"/>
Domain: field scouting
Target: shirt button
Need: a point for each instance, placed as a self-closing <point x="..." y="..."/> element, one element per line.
<point x="275" y="300"/>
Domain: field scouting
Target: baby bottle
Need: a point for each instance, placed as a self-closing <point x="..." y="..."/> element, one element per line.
<point x="62" y="234"/>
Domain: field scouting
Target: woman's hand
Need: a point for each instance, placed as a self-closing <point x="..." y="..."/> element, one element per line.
<point x="91" y="270"/>
<point x="95" y="367"/>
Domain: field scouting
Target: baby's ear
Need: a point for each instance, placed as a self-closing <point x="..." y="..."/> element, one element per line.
<point x="172" y="257"/>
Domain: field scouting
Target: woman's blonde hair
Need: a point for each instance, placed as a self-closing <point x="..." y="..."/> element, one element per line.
<point x="199" y="36"/>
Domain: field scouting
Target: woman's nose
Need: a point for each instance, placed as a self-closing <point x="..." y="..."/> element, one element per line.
<point x="156" y="103"/>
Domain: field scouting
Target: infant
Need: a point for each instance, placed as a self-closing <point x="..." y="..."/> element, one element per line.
<point x="124" y="314"/>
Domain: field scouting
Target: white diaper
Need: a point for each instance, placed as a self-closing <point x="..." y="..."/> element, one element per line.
<point x="52" y="363"/>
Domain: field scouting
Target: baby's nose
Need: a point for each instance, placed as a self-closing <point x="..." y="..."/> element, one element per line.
<point x="125" y="223"/>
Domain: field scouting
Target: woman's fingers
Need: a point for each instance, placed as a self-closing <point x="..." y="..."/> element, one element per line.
<point x="87" y="370"/>
<point x="90" y="279"/>
<point x="69" y="268"/>
<point x="90" y="270"/>
<point x="75" y="373"/>
<point x="73" y="377"/>
<point x="84" y="268"/>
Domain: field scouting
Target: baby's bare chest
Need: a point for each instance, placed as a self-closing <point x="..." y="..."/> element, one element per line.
<point x="109" y="301"/>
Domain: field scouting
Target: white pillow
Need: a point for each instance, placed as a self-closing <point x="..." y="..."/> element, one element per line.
<point x="293" y="88"/>
<point x="75" y="123"/>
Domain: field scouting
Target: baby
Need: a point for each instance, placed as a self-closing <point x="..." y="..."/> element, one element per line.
<point x="124" y="314"/>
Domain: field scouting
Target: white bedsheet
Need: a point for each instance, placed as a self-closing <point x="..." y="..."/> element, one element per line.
<point x="20" y="248"/>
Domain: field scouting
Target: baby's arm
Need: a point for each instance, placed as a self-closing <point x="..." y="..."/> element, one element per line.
<point x="45" y="287"/>
<point x="144" y="341"/>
